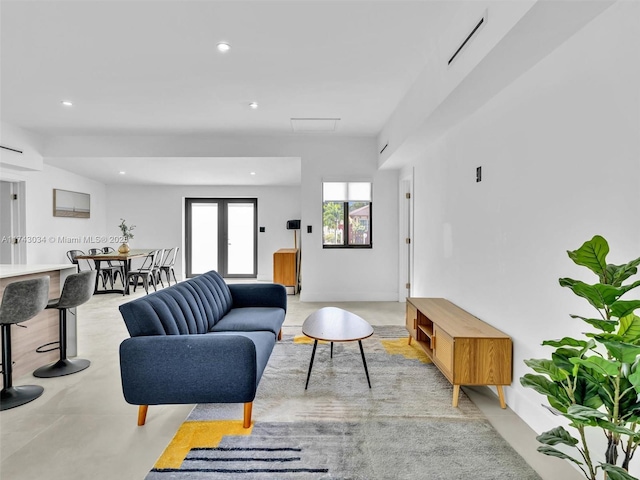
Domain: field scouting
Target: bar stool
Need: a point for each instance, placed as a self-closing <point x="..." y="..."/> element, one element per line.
<point x="21" y="301"/>
<point x="77" y="289"/>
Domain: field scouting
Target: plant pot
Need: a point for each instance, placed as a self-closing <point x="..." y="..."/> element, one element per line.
<point x="124" y="248"/>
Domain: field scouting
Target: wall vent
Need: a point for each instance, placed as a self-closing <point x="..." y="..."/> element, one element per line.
<point x="475" y="30"/>
<point x="11" y="149"/>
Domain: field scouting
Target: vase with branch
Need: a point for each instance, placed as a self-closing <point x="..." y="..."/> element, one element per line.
<point x="126" y="236"/>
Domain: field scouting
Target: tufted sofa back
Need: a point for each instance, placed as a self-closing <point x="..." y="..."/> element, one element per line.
<point x="192" y="306"/>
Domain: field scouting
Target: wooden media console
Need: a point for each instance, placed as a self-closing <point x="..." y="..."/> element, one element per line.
<point x="465" y="349"/>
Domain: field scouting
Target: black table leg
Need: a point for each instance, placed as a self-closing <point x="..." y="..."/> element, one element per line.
<point x="331" y="349"/>
<point x="97" y="287"/>
<point x="126" y="266"/>
<point x="364" y="362"/>
<point x="313" y="354"/>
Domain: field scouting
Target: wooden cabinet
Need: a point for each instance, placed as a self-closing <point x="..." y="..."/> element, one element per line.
<point x="465" y="349"/>
<point x="286" y="268"/>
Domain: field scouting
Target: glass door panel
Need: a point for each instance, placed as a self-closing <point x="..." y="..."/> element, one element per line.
<point x="204" y="237"/>
<point x="241" y="239"/>
<point x="221" y="235"/>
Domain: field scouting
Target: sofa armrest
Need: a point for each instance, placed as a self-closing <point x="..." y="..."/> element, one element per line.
<point x="200" y="368"/>
<point x="258" y="295"/>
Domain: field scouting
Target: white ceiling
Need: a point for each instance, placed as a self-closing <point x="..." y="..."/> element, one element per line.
<point x="151" y="67"/>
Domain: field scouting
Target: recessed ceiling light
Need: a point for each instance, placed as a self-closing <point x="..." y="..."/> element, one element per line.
<point x="223" y="47"/>
<point x="122" y="173"/>
<point x="253" y="105"/>
<point x="66" y="103"/>
<point x="252" y="173"/>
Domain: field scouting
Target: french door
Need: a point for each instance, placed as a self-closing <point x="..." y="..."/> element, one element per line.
<point x="221" y="235"/>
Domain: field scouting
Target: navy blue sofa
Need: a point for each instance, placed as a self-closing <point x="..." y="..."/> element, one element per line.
<point x="200" y="341"/>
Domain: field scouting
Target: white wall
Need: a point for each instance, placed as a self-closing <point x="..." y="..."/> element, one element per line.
<point x="158" y="213"/>
<point x="327" y="275"/>
<point x="47" y="238"/>
<point x="560" y="151"/>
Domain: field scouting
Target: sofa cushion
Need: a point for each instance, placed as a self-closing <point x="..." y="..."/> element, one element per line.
<point x="192" y="306"/>
<point x="251" y="319"/>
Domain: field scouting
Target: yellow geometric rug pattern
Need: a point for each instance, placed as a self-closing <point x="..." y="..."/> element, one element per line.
<point x="204" y="434"/>
<point x="209" y="434"/>
<point x="401" y="347"/>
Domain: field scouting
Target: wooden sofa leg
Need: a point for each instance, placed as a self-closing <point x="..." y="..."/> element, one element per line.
<point x="247" y="414"/>
<point x="280" y="335"/>
<point x="142" y="414"/>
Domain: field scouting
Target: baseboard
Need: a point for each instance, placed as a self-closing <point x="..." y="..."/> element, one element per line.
<point x="349" y="296"/>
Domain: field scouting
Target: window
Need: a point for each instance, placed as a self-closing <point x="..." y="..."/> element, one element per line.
<point x="346" y="215"/>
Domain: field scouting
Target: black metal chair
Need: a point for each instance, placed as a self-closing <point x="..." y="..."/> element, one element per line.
<point x="168" y="264"/>
<point x="148" y="271"/>
<point x="77" y="289"/>
<point x="21" y="301"/>
<point x="113" y="269"/>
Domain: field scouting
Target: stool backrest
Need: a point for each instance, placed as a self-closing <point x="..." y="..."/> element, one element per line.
<point x="78" y="289"/>
<point x="24" y="299"/>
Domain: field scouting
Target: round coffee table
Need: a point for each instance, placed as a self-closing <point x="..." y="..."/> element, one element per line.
<point x="333" y="324"/>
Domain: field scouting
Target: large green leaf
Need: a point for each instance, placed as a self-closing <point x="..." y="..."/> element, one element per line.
<point x="616" y="473"/>
<point x="547" y="367"/>
<point x="585" y="415"/>
<point x="587" y="391"/>
<point x="634" y="378"/>
<point x="565" y="342"/>
<point x="622" y="308"/>
<point x="556" y="436"/>
<point x="548" y="388"/>
<point x="593" y="255"/>
<point x="608" y="326"/>
<point x="599" y="295"/>
<point x="623" y="352"/>
<point x="629" y="328"/>
<point x="616" y="274"/>
<point x="561" y="357"/>
<point x="553" y="452"/>
<point x="599" y="364"/>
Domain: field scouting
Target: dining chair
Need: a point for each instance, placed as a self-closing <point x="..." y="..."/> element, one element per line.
<point x="72" y="254"/>
<point x="105" y="274"/>
<point x="114" y="267"/>
<point x="168" y="264"/>
<point x="148" y="272"/>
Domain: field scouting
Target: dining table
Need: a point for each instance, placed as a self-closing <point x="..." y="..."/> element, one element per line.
<point x="125" y="258"/>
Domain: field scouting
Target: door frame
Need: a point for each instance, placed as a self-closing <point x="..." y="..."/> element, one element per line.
<point x="222" y="234"/>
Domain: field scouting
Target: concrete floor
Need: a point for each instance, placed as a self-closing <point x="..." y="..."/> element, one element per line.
<point x="81" y="428"/>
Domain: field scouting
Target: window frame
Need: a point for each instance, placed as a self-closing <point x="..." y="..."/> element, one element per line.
<point x="345" y="221"/>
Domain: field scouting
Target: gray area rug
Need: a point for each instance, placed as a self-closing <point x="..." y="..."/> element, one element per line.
<point x="404" y="427"/>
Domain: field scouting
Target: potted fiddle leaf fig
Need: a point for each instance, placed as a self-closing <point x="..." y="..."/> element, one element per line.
<point x="593" y="381"/>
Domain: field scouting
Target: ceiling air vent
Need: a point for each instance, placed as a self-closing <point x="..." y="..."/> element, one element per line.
<point x="311" y="125"/>
<point x="11" y="149"/>
<point x="475" y="30"/>
<point x="384" y="148"/>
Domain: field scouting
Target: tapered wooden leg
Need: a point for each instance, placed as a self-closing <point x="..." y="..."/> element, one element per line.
<point x="280" y="335"/>
<point x="142" y="414"/>
<point x="456" y="394"/>
<point x="501" y="396"/>
<point x="247" y="414"/>
<point x="409" y="341"/>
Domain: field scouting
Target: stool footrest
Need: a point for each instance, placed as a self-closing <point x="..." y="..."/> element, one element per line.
<point x="40" y="348"/>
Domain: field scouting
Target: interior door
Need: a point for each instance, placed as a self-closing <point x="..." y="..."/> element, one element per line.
<point x="221" y="235"/>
